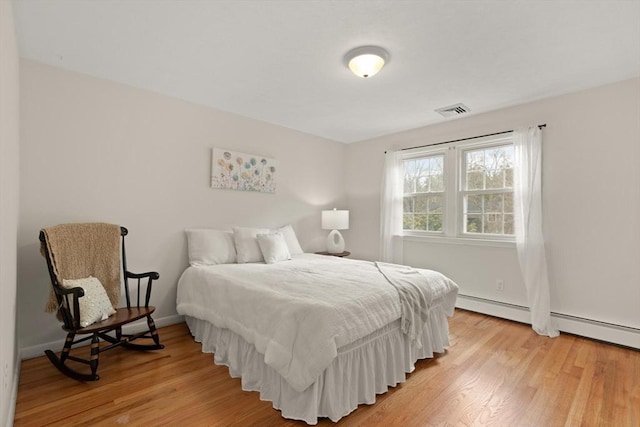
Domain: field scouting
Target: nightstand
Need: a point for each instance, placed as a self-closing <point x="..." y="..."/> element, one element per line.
<point x="341" y="254"/>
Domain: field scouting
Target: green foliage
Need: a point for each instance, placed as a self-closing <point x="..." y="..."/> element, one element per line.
<point x="488" y="179"/>
<point x="423" y="212"/>
<point x="423" y="206"/>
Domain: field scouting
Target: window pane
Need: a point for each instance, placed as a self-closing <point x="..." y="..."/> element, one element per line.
<point x="489" y="213"/>
<point x="489" y="168"/>
<point x="493" y="223"/>
<point x="475" y="160"/>
<point x="407" y="221"/>
<point x="473" y="203"/>
<point x="424" y="175"/>
<point x="494" y="178"/>
<point x="473" y="224"/>
<point x="493" y="203"/>
<point x="508" y="202"/>
<point x="436" y="164"/>
<point x="435" y="204"/>
<point x="421" y="203"/>
<point x="437" y="182"/>
<point x="435" y="222"/>
<point x="422" y="184"/>
<point x="508" y="178"/>
<point x="409" y="184"/>
<point x="475" y="180"/>
<point x="420" y="222"/>
<point x="437" y="173"/>
<point x="508" y="157"/>
<point x="508" y="224"/>
<point x="491" y="158"/>
<point x="499" y="157"/>
<point x="408" y="204"/>
<point x="424" y="210"/>
<point x="413" y="169"/>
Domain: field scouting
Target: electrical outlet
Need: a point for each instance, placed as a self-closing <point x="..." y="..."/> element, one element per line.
<point x="500" y="285"/>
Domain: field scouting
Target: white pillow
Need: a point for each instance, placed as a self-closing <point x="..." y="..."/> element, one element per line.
<point x="273" y="247"/>
<point x="291" y="239"/>
<point x="95" y="304"/>
<point x="210" y="247"/>
<point x="247" y="244"/>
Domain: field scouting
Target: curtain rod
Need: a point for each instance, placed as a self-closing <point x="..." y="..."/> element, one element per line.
<point x="544" y="125"/>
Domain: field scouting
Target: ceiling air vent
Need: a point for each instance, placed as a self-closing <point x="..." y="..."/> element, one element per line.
<point x="453" y="110"/>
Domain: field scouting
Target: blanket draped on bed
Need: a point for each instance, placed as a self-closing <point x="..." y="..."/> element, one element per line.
<point x="416" y="299"/>
<point x="82" y="250"/>
<point x="298" y="313"/>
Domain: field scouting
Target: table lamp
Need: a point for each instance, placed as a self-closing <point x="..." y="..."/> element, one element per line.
<point x="335" y="220"/>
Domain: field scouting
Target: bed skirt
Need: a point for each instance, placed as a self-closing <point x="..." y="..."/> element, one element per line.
<point x="362" y="369"/>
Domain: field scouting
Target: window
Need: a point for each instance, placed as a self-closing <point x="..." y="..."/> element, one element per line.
<point x="462" y="189"/>
<point x="423" y="193"/>
<point x="487" y="190"/>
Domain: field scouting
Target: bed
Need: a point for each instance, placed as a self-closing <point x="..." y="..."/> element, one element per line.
<point x="316" y="335"/>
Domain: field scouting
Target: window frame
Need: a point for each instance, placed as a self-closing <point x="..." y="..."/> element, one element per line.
<point x="419" y="155"/>
<point x="461" y="192"/>
<point x="454" y="174"/>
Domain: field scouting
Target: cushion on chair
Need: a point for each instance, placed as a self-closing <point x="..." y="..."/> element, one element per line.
<point x="95" y="304"/>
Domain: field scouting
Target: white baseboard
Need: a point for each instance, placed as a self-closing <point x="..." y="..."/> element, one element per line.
<point x="38" y="350"/>
<point x="622" y="335"/>
<point x="14" y="395"/>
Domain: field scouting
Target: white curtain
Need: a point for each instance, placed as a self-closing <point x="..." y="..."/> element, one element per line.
<point x="391" y="208"/>
<point x="527" y="200"/>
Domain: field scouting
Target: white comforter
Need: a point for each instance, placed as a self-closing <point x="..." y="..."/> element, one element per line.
<point x="299" y="312"/>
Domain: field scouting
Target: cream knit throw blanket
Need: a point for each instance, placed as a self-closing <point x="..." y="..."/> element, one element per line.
<point x="82" y="250"/>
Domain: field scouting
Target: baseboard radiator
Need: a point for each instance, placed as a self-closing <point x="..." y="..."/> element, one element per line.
<point x="590" y="328"/>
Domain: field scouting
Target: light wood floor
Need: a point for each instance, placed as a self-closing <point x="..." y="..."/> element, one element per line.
<point x="495" y="373"/>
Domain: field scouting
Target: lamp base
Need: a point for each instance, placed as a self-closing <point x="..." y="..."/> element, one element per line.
<point x="335" y="242"/>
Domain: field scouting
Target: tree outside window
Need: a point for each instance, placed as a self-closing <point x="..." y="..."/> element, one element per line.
<point x="488" y="190"/>
<point x="424" y="193"/>
<point x="460" y="190"/>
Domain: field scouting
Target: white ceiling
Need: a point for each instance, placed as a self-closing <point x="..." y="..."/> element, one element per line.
<point x="281" y="61"/>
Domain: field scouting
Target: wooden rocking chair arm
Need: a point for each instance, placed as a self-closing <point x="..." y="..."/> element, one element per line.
<point x="151" y="274"/>
<point x="71" y="318"/>
<point x="77" y="291"/>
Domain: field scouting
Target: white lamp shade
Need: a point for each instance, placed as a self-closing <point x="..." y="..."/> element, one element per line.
<point x="366" y="61"/>
<point x="335" y="220"/>
<point x="366" y="65"/>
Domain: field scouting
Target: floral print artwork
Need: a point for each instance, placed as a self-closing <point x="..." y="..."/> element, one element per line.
<point x="245" y="172"/>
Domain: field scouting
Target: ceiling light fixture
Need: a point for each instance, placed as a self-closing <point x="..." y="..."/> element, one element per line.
<point x="366" y="61"/>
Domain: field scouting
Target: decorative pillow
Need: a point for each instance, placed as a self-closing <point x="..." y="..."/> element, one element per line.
<point x="210" y="247"/>
<point x="273" y="247"/>
<point x="291" y="239"/>
<point x="95" y="304"/>
<point x="247" y="244"/>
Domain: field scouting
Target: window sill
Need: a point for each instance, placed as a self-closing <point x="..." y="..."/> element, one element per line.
<point x="460" y="241"/>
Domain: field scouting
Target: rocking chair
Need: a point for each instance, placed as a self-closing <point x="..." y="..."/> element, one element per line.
<point x="82" y="246"/>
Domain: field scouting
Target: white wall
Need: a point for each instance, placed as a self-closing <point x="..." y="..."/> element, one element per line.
<point x="9" y="198"/>
<point x="591" y="198"/>
<point x="93" y="150"/>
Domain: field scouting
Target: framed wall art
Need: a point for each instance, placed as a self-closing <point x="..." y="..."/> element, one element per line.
<point x="232" y="170"/>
